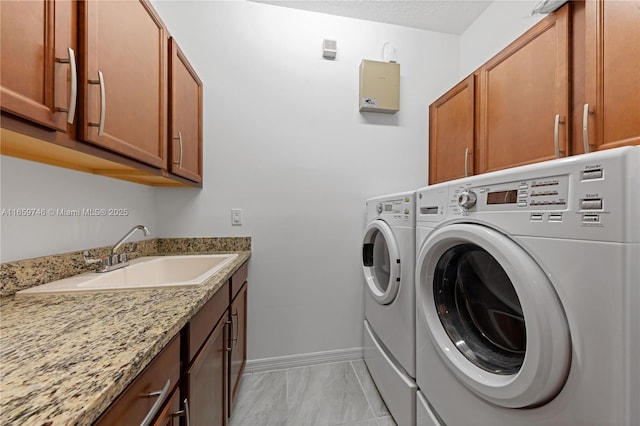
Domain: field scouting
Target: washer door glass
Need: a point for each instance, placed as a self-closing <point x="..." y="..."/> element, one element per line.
<point x="381" y="262"/>
<point x="479" y="309"/>
<point x="493" y="315"/>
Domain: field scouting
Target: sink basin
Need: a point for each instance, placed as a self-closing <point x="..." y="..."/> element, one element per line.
<point x="143" y="272"/>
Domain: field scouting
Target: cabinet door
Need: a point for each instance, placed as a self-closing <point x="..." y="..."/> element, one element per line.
<point x="185" y="125"/>
<point x="524" y="98"/>
<point x="452" y="133"/>
<point x="35" y="67"/>
<point x="238" y="354"/>
<point x="207" y="380"/>
<point x="612" y="74"/>
<point x="124" y="79"/>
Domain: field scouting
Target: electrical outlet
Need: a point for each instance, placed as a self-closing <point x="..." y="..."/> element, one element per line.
<point x="236" y="217"/>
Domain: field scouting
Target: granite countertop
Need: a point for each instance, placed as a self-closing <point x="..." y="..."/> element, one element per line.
<point x="65" y="358"/>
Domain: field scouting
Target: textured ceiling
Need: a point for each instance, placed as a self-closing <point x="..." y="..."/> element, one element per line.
<point x="452" y="16"/>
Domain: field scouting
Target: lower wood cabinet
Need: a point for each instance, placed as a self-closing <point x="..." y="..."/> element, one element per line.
<point x="206" y="381"/>
<point x="197" y="373"/>
<point x="238" y="353"/>
<point x="148" y="393"/>
<point x="206" y="348"/>
<point x="238" y="330"/>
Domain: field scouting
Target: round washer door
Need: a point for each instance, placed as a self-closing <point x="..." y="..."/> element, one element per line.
<point x="493" y="315"/>
<point x="381" y="262"/>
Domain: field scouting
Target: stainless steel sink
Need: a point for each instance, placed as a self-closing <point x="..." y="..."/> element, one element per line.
<point x="144" y="272"/>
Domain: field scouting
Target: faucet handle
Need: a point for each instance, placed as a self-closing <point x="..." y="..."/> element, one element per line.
<point x="88" y="260"/>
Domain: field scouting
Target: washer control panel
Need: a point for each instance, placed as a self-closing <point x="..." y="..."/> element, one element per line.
<point x="549" y="193"/>
<point x="592" y="196"/>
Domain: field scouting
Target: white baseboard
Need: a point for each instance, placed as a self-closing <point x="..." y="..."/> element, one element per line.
<point x="302" y="360"/>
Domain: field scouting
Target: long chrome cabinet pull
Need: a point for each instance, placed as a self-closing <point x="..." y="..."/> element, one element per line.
<point x="156" y="405"/>
<point x="229" y="348"/>
<point x="466" y="162"/>
<point x="585" y="128"/>
<point x="184" y="412"/>
<point x="179" y="138"/>
<point x="234" y="335"/>
<point x="100" y="124"/>
<point x="73" y="90"/>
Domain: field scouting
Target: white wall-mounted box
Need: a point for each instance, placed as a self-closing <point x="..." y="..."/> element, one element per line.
<point x="379" y="86"/>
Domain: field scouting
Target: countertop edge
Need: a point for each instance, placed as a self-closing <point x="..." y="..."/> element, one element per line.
<point x="91" y="407"/>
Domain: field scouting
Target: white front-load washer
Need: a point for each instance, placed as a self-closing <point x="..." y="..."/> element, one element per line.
<point x="528" y="294"/>
<point x="388" y="262"/>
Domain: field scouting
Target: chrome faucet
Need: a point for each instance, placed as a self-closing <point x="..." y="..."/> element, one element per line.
<point x="128" y="234"/>
<point x="115" y="261"/>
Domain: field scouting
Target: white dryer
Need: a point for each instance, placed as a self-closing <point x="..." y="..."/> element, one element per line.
<point x="528" y="294"/>
<point x="388" y="262"/>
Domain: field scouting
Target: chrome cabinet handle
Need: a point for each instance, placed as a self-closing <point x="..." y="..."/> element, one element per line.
<point x="184" y="412"/>
<point x="556" y="135"/>
<point x="585" y="128"/>
<point x="229" y="348"/>
<point x="73" y="90"/>
<point x="234" y="336"/>
<point x="156" y="405"/>
<point x="100" y="124"/>
<point x="466" y="162"/>
<point x="179" y="138"/>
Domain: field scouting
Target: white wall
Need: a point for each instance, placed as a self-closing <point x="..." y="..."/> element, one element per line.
<point x="29" y="185"/>
<point x="500" y="24"/>
<point x="284" y="141"/>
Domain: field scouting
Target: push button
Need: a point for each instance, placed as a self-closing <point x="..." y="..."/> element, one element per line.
<point x="591" y="218"/>
<point x="592" y="174"/>
<point x="591" y="204"/>
<point x="555" y="217"/>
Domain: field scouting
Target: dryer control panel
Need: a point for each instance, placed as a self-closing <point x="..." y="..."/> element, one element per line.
<point x="399" y="208"/>
<point x="395" y="209"/>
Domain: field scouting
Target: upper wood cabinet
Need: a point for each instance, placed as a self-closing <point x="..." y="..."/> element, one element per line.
<point x="569" y="85"/>
<point x="452" y="133"/>
<point x="524" y="98"/>
<point x="607" y="46"/>
<point x="85" y="85"/>
<point x="124" y="79"/>
<point x="185" y="124"/>
<point x="37" y="61"/>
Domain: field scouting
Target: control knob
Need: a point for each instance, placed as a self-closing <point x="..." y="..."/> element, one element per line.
<point x="467" y="199"/>
<point x="380" y="208"/>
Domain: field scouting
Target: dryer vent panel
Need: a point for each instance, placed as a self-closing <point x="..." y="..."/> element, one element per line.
<point x="379" y="86"/>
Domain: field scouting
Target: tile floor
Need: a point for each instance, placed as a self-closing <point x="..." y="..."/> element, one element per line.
<point x="340" y="393"/>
